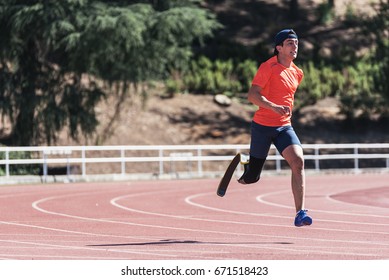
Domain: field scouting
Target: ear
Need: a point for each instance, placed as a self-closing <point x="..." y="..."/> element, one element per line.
<point x="278" y="48"/>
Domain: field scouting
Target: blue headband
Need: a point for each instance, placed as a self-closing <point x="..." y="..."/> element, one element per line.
<point x="283" y="35"/>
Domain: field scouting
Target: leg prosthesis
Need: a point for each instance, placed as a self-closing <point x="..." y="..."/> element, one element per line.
<point x="252" y="170"/>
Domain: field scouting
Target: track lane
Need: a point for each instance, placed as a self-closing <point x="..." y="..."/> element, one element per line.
<point x="186" y="220"/>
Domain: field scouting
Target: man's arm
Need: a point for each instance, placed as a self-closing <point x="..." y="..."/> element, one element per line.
<point x="255" y="97"/>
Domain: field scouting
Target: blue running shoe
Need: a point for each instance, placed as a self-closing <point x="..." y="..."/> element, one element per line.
<point x="302" y="219"/>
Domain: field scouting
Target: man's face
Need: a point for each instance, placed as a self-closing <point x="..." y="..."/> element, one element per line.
<point x="289" y="48"/>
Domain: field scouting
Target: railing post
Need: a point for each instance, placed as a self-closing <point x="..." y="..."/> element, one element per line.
<point x="160" y="162"/>
<point x="317" y="161"/>
<point x="83" y="162"/>
<point x="356" y="160"/>
<point x="278" y="162"/>
<point x="7" y="163"/>
<point x="123" y="163"/>
<point x="199" y="163"/>
<point x="45" y="166"/>
<point x="239" y="165"/>
<point x="67" y="168"/>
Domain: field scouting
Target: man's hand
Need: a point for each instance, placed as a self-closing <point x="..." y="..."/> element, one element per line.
<point x="281" y="110"/>
<point x="258" y="99"/>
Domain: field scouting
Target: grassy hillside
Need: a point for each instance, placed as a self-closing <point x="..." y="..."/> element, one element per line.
<point x="249" y="27"/>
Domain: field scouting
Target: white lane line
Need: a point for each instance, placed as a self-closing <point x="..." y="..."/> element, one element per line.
<point x="329" y="198"/>
<point x="137" y="238"/>
<point x="88" y="234"/>
<point x="261" y="199"/>
<point x="81" y="248"/>
<point x="55" y="257"/>
<point x="36" y="203"/>
<point x="114" y="202"/>
<point x="240" y="234"/>
<point x="72" y="231"/>
<point x="197" y="230"/>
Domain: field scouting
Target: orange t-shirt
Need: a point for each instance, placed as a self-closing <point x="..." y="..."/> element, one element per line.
<point x="278" y="85"/>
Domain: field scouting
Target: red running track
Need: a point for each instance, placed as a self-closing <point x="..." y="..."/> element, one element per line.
<point x="184" y="219"/>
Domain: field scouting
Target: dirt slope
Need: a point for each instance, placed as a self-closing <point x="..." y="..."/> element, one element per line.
<point x="197" y="119"/>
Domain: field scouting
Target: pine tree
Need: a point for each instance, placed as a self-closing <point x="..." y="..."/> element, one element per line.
<point x="48" y="47"/>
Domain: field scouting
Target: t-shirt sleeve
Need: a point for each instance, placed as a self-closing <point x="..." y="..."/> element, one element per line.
<point x="301" y="76"/>
<point x="262" y="76"/>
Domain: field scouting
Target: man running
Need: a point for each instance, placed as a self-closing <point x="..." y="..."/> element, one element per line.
<point x="272" y="90"/>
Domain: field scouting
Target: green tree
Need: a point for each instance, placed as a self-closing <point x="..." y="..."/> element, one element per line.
<point x="37" y="96"/>
<point x="377" y="28"/>
<point x="54" y="55"/>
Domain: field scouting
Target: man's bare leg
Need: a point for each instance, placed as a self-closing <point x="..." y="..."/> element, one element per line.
<point x="293" y="154"/>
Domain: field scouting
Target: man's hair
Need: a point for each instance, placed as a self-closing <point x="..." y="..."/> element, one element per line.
<point x="275" y="48"/>
<point x="282" y="36"/>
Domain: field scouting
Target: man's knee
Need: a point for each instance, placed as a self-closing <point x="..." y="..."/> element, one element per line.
<point x="297" y="163"/>
<point x="293" y="154"/>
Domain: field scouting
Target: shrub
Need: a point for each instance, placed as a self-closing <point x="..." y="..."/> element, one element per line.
<point x="319" y="83"/>
<point x="245" y="73"/>
<point x="353" y="85"/>
<point x="213" y="77"/>
<point x="359" y="98"/>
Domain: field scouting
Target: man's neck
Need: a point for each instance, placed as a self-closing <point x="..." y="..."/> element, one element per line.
<point x="284" y="61"/>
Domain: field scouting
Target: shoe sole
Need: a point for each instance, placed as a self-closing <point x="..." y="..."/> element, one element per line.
<point x="304" y="223"/>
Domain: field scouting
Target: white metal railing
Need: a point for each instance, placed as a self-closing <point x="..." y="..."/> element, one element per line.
<point x="68" y="156"/>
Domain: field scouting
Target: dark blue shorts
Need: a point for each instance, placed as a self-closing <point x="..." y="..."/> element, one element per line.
<point x="263" y="136"/>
